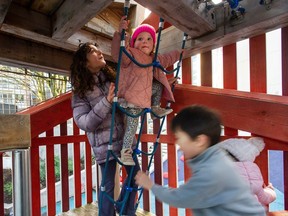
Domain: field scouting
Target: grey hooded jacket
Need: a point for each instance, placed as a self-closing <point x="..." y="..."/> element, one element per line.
<point x="93" y="114"/>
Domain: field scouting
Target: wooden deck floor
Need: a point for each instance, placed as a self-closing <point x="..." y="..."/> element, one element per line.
<point x="92" y="210"/>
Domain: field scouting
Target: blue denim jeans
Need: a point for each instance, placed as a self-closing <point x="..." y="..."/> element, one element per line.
<point x="107" y="208"/>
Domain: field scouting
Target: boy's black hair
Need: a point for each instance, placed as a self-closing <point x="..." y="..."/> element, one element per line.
<point x="196" y="120"/>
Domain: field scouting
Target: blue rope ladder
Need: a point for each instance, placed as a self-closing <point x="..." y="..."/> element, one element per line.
<point x="115" y="105"/>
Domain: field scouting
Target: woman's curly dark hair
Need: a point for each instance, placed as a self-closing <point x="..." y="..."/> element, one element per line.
<point x="81" y="78"/>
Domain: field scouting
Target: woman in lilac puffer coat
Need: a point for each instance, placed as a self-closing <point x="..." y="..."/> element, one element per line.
<point x="93" y="91"/>
<point x="244" y="152"/>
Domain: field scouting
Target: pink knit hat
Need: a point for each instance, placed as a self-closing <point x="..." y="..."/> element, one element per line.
<point x="143" y="28"/>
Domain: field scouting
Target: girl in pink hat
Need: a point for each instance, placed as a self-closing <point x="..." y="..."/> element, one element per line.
<point x="138" y="86"/>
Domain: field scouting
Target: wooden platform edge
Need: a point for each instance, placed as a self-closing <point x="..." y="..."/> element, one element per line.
<point x="92" y="210"/>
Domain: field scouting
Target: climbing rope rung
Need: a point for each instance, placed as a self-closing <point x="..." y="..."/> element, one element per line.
<point x="122" y="43"/>
<point x="127" y="4"/>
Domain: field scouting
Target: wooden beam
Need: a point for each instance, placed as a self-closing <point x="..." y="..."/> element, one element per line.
<point x="206" y="69"/>
<point x="258" y="113"/>
<point x="34" y="36"/>
<point x="230" y="66"/>
<point x="187" y="71"/>
<point x="30" y="20"/>
<point x="187" y="15"/>
<point x="284" y="51"/>
<point x="44" y="6"/>
<point x="230" y="76"/>
<point x="73" y="15"/>
<point x="14" y="132"/>
<point x="136" y="15"/>
<point x="257" y="54"/>
<point x="101" y="27"/>
<point x="153" y="20"/>
<point x="33" y="55"/>
<point x="84" y="36"/>
<point x="4" y="6"/>
<point x="112" y="17"/>
<point x="257" y="20"/>
<point x="71" y="44"/>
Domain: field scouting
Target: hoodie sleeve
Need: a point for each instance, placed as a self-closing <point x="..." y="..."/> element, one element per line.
<point x="266" y="195"/>
<point x="252" y="173"/>
<point x="200" y="191"/>
<point x="89" y="118"/>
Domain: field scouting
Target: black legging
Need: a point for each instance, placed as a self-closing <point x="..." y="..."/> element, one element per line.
<point x="107" y="208"/>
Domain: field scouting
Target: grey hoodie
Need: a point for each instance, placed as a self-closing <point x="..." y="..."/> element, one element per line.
<point x="93" y="114"/>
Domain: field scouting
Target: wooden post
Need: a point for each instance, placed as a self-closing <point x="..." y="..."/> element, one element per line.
<point x="15" y="135"/>
<point x="14" y="132"/>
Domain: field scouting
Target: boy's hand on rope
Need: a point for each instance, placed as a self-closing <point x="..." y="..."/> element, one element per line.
<point x="124" y="23"/>
<point x="111" y="93"/>
<point x="143" y="180"/>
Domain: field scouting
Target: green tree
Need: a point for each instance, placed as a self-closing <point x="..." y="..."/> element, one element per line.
<point x="42" y="85"/>
<point x="57" y="167"/>
<point x="8" y="188"/>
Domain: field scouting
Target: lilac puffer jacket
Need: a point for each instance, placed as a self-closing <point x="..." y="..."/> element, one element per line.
<point x="93" y="114"/>
<point x="252" y="174"/>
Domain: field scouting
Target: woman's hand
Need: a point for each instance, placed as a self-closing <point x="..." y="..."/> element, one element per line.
<point x="111" y="93"/>
<point x="123" y="24"/>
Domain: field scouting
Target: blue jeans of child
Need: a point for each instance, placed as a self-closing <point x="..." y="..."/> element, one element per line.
<point x="107" y="208"/>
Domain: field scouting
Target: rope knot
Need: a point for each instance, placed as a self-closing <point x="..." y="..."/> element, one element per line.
<point x="156" y="64"/>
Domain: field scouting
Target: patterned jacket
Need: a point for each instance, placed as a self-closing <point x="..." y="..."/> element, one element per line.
<point x="252" y="174"/>
<point x="135" y="83"/>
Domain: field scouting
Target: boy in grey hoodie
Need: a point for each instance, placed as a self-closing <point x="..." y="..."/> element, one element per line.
<point x="215" y="188"/>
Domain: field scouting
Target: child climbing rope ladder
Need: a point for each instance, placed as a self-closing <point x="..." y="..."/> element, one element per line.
<point x="141" y="87"/>
<point x="129" y="188"/>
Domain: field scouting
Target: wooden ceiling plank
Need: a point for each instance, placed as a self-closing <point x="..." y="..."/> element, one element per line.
<point x="257" y="21"/>
<point x="111" y="17"/>
<point x="100" y="26"/>
<point x="83" y="36"/>
<point x="153" y="20"/>
<point x="29" y="35"/>
<point x="107" y="21"/>
<point x="136" y="16"/>
<point x="71" y="44"/>
<point x="44" y="6"/>
<point x="33" y="55"/>
<point x="73" y="15"/>
<point x="4" y="6"/>
<point x="46" y="58"/>
<point x="20" y="16"/>
<point x="187" y="15"/>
